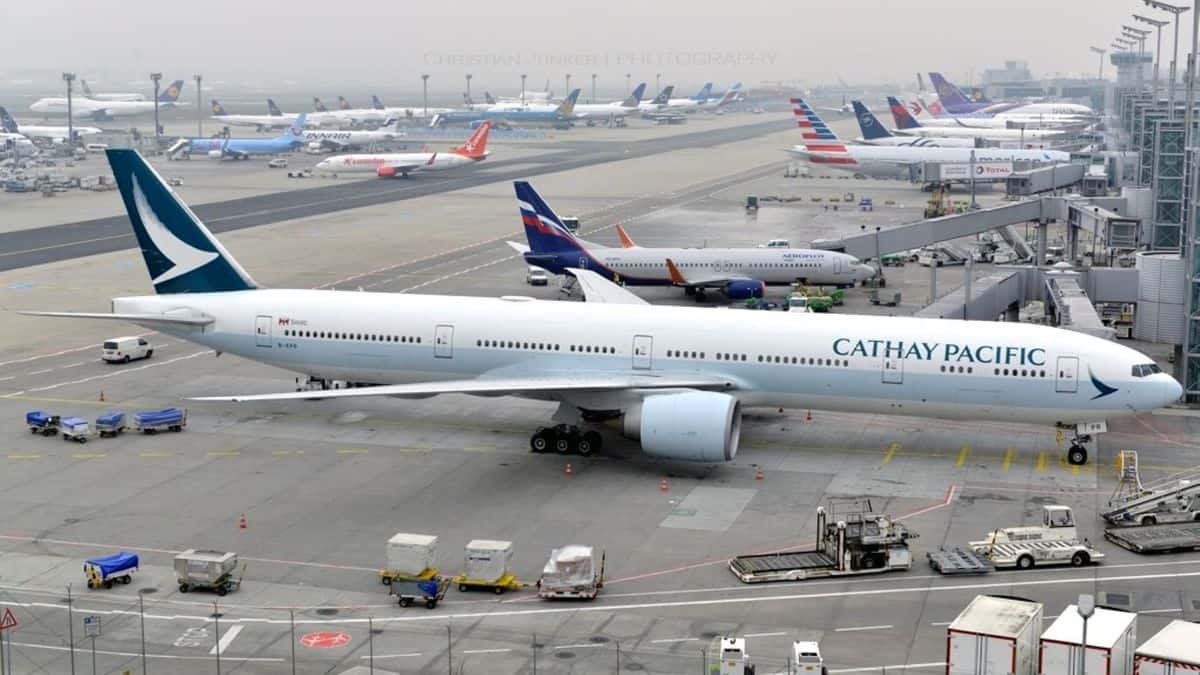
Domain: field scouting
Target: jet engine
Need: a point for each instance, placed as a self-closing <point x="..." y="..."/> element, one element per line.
<point x="386" y="171"/>
<point x="744" y="290"/>
<point x="694" y="426"/>
<point x="215" y="154"/>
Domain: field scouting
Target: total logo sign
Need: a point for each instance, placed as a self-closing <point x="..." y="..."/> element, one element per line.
<point x="983" y="170"/>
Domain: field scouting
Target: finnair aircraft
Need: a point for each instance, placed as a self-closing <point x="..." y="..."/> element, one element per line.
<point x="739" y="273"/>
<point x="680" y="391"/>
<point x="107" y="110"/>
<point x="339" y="140"/>
<point x="392" y="164"/>
<point x="87" y="92"/>
<point x="906" y="125"/>
<point x="54" y="134"/>
<point x="874" y="133"/>
<point x="822" y="146"/>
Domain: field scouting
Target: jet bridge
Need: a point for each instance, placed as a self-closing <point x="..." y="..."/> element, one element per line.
<point x="1071" y="306"/>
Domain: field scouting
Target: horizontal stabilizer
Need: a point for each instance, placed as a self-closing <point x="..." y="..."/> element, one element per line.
<point x="598" y="289"/>
<point x="160" y="319"/>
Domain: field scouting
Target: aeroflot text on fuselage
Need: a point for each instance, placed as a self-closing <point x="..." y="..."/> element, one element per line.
<point x="999" y="355"/>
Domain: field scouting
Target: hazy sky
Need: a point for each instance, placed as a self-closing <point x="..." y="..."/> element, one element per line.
<point x="374" y="41"/>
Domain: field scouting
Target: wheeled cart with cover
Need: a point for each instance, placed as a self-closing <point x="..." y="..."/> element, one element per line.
<point x="428" y="591"/>
<point x="208" y="570"/>
<point x="110" y="569"/>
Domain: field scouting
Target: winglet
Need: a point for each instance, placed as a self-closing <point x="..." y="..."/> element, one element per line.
<point x="626" y="240"/>
<point x="677" y="277"/>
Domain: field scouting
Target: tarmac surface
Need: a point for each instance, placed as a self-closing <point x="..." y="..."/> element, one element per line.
<point x="322" y="485"/>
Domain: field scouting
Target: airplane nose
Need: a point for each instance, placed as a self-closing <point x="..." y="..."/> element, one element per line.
<point x="1172" y="391"/>
<point x="866" y="272"/>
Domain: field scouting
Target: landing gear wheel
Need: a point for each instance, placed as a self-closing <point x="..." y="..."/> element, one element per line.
<point x="405" y="602"/>
<point x="542" y="440"/>
<point x="563" y="444"/>
<point x="566" y="439"/>
<point x="588" y="443"/>
<point x="1077" y="455"/>
<point x="498" y="590"/>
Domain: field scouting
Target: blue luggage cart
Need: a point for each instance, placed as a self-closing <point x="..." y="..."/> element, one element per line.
<point x="110" y="424"/>
<point x="110" y="569"/>
<point x="41" y="422"/>
<point x="154" y="421"/>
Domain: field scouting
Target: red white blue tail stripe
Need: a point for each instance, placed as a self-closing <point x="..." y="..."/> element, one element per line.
<point x="822" y="145"/>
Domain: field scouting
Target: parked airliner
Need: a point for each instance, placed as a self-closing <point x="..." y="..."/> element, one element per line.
<point x="907" y="125"/>
<point x="739" y="273"/>
<point x="401" y="164"/>
<point x="874" y="133"/>
<point x="106" y="110"/>
<point x="677" y="377"/>
<point x="54" y="134"/>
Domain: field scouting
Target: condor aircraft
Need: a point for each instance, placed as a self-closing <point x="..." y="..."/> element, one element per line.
<point x="739" y="273"/>
<point x="680" y="391"/>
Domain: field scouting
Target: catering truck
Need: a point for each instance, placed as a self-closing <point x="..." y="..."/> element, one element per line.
<point x="1174" y="650"/>
<point x="994" y="636"/>
<point x="1111" y="640"/>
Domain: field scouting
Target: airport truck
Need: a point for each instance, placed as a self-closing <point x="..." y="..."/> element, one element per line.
<point x="851" y="540"/>
<point x="1111" y="640"/>
<point x="994" y="636"/>
<point x="1174" y="503"/>
<point x="1174" y="650"/>
<point x="1053" y="542"/>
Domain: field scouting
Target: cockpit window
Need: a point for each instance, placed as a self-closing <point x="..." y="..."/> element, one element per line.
<point x="1146" y="370"/>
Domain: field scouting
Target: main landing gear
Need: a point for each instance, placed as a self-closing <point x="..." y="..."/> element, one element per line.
<point x="1077" y="454"/>
<point x="565" y="439"/>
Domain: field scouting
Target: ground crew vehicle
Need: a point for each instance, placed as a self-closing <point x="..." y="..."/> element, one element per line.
<point x="733" y="657"/>
<point x="1054" y="542"/>
<point x="571" y="573"/>
<point x="851" y="540"/>
<point x="429" y="591"/>
<point x="75" y="429"/>
<point x="1171" y="503"/>
<point x="154" y="421"/>
<point x="110" y="424"/>
<point x="40" y="422"/>
<point x="126" y="349"/>
<point x="806" y="658"/>
<point x="110" y="569"/>
<point x="208" y="570"/>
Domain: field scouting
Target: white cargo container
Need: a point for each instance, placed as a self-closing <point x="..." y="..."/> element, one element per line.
<point x="994" y="636"/>
<point x="488" y="560"/>
<point x="1111" y="640"/>
<point x="411" y="554"/>
<point x="1174" y="650"/>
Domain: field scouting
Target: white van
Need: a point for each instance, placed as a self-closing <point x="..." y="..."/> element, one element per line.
<point x="536" y="276"/>
<point x="126" y="349"/>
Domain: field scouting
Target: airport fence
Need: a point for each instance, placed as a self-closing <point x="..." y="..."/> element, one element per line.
<point x="110" y="631"/>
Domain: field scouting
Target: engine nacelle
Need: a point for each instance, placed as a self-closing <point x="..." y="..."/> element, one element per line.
<point x="385" y="171"/>
<point x="694" y="426"/>
<point x="215" y="154"/>
<point x="744" y="290"/>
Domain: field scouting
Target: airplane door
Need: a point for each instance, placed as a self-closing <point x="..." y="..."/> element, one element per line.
<point x="1066" y="380"/>
<point x="643" y="347"/>
<point x="839" y="266"/>
<point x="443" y="342"/>
<point x="262" y="331"/>
<point x="893" y="370"/>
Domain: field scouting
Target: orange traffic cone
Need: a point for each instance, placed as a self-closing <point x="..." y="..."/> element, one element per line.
<point x="569" y="470"/>
<point x="759" y="475"/>
<point x="662" y="485"/>
<point x="242" y="522"/>
<point x="102" y="396"/>
<point x="808" y="416"/>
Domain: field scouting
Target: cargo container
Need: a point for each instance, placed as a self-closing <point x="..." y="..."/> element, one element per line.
<point x="994" y="636"/>
<point x="1111" y="640"/>
<point x="571" y="573"/>
<point x="487" y="567"/>
<point x="1174" y="650"/>
<point x="410" y="555"/>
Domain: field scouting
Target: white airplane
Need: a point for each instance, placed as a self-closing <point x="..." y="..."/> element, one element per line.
<point x="677" y="377"/>
<point x="54" y="134"/>
<point x="739" y="273"/>
<point x="658" y="103"/>
<point x="275" y="119"/>
<point x="612" y="109"/>
<point x="345" y="115"/>
<point x="907" y="125"/>
<point x="408" y="112"/>
<point x="934" y="115"/>
<point x="87" y="91"/>
<point x="731" y="94"/>
<point x="874" y="133"/>
<point x="822" y="147"/>
<point x="318" y="140"/>
<point x="16" y="145"/>
<point x="390" y="165"/>
<point x="106" y="110"/>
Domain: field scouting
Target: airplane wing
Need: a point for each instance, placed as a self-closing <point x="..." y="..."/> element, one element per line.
<point x="598" y="289"/>
<point x="548" y="384"/>
<point x="704" y="279"/>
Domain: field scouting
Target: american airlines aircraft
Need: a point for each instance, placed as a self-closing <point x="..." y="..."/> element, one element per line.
<point x="822" y="146"/>
<point x="106" y="110"/>
<point x="739" y="273"/>
<point x="54" y="134"/>
<point x="677" y="377"/>
<point x="393" y="164"/>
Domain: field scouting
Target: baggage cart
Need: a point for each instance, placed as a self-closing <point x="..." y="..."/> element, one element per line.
<point x="208" y="570"/>
<point x="428" y="591"/>
<point x="508" y="582"/>
<point x="487" y="564"/>
<point x="110" y="569"/>
<point x="110" y="424"/>
<point x="154" y="421"/>
<point x="571" y="573"/>
<point x="410" y="557"/>
<point x="41" y="422"/>
<point x="75" y="429"/>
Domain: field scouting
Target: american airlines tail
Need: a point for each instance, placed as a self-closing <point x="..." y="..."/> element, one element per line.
<point x="817" y="135"/>
<point x="901" y="116"/>
<point x="476" y="145"/>
<point x="171" y="93"/>
<point x="868" y="124"/>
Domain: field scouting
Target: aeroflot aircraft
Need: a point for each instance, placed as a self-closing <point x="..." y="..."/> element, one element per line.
<point x="739" y="273"/>
<point x="677" y="376"/>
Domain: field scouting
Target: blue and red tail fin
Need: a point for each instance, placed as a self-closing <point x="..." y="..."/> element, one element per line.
<point x="817" y="135"/>
<point x="171" y="93"/>
<point x="868" y="124"/>
<point x="903" y="119"/>
<point x="543" y="228"/>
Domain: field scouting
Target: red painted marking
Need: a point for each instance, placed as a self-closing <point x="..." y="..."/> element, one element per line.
<point x="325" y="639"/>
<point x="9" y="621"/>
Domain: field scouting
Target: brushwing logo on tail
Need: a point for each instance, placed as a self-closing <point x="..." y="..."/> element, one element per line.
<point x="1102" y="388"/>
<point x="183" y="256"/>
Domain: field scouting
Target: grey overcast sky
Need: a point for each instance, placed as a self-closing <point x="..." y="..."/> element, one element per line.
<point x="686" y="40"/>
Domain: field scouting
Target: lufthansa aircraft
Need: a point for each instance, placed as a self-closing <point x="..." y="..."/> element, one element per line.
<point x="678" y="377"/>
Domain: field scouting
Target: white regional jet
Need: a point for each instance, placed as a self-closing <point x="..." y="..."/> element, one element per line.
<point x="678" y="377"/>
<point x="822" y="147"/>
<point x="392" y="164"/>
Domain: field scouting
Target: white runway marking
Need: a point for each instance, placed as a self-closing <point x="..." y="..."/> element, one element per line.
<point x="854" y="629"/>
<point x="902" y="666"/>
<point x="486" y="651"/>
<point x="58" y="648"/>
<point x="670" y="640"/>
<point x="390" y="656"/>
<point x="762" y="635"/>
<point x="227" y="639"/>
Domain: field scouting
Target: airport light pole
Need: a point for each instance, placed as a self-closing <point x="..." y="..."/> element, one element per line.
<point x="657" y="84"/>
<point x="69" y="78"/>
<point x="1086" y="608"/>
<point x="199" y="108"/>
<point x="522" y="90"/>
<point x="1158" y="26"/>
<point x="1175" y="10"/>
<point x="155" y="78"/>
<point x="1101" y="52"/>
<point x="1189" y="109"/>
<point x="567" y="90"/>
<point x="593" y="87"/>
<point x="627" y="76"/>
<point x="1140" y="36"/>
<point x="425" y="94"/>
<point x="469" y="87"/>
